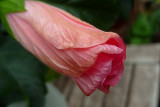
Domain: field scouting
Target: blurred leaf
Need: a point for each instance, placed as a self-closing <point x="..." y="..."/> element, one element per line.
<point x="145" y="28"/>
<point x="51" y="75"/>
<point x="3" y="33"/>
<point x="142" y="31"/>
<point x="156" y="1"/>
<point x="10" y="6"/>
<point x="22" y="76"/>
<point x="142" y="26"/>
<point x="101" y="13"/>
<point x="139" y="40"/>
<point x="10" y="90"/>
<point x="154" y="19"/>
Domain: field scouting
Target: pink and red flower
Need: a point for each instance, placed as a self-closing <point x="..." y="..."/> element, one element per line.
<point x="91" y="57"/>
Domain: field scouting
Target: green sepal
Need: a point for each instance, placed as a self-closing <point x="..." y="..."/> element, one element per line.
<point x="6" y="24"/>
<point x="10" y="6"/>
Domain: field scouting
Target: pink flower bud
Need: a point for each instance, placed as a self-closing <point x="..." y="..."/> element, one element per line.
<point x="91" y="57"/>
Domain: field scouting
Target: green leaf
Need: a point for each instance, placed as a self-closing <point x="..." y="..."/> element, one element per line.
<point x="142" y="26"/>
<point x="154" y="20"/>
<point x="145" y="28"/>
<point x="3" y="33"/>
<point x="10" y="6"/>
<point x="21" y="75"/>
<point x="6" y="24"/>
<point x="51" y="75"/>
<point x="100" y="13"/>
<point x="10" y="89"/>
<point x="156" y="1"/>
<point x="138" y="40"/>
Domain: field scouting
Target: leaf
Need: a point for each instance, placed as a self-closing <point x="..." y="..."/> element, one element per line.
<point x="5" y="23"/>
<point x="142" y="26"/>
<point x="138" y="40"/>
<point x="21" y="74"/>
<point x="154" y="19"/>
<point x="10" y="90"/>
<point x="51" y="75"/>
<point x="3" y="33"/>
<point x="10" y="6"/>
<point x="101" y="13"/>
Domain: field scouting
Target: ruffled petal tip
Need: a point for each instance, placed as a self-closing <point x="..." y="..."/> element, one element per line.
<point x="111" y="80"/>
<point x="93" y="78"/>
<point x="101" y="75"/>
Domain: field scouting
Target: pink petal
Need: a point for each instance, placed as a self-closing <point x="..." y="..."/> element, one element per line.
<point x="92" y="78"/>
<point x="62" y="29"/>
<point x="106" y="71"/>
<point x="91" y="57"/>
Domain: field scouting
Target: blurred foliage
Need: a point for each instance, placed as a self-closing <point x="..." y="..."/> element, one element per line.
<point x="3" y="33"/>
<point x="10" y="6"/>
<point x="141" y="31"/>
<point x="145" y="28"/>
<point x="154" y="19"/>
<point x="157" y="1"/>
<point x="21" y="75"/>
<point x="100" y="13"/>
<point x="51" y="75"/>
